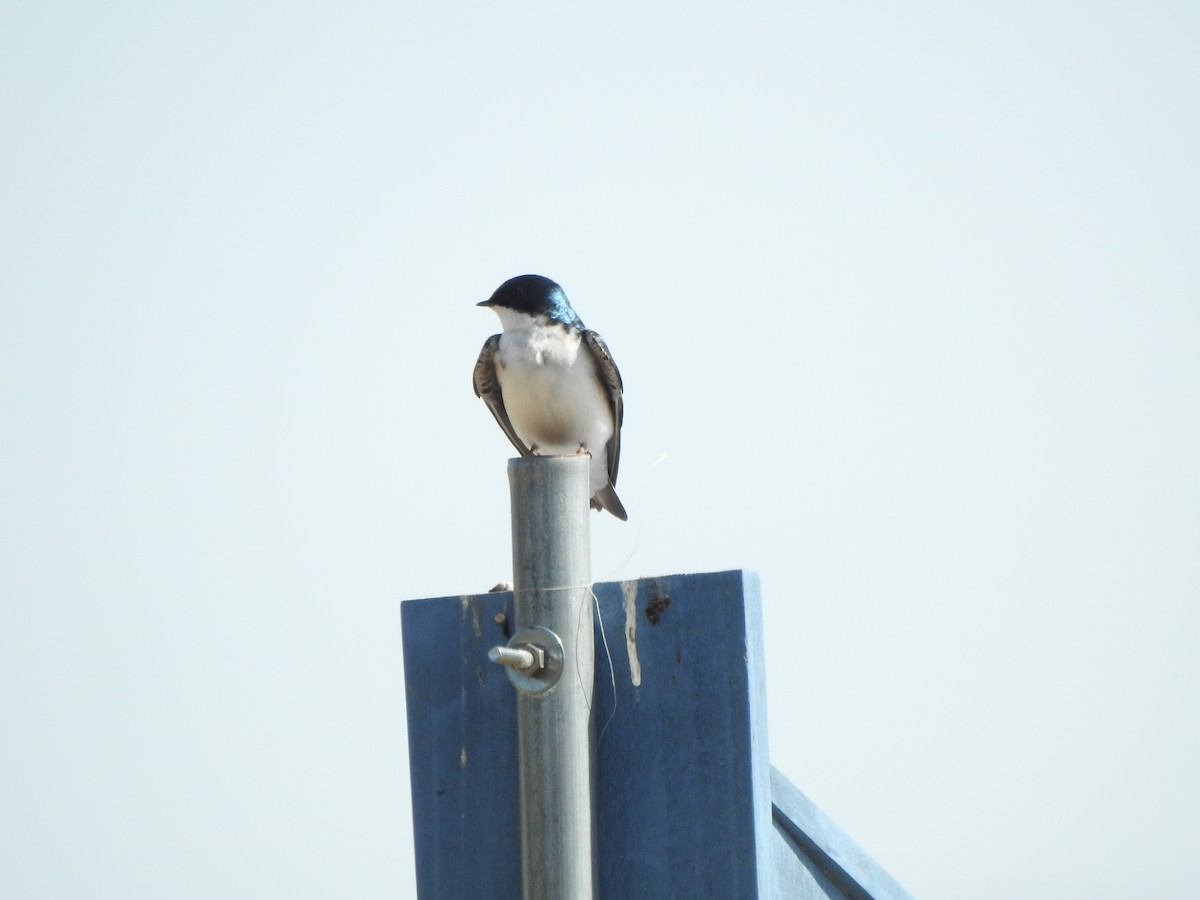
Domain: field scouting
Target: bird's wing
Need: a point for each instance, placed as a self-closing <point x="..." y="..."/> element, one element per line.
<point x="488" y="388"/>
<point x="612" y="384"/>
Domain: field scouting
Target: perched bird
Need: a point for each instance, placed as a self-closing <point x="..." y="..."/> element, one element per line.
<point x="551" y="383"/>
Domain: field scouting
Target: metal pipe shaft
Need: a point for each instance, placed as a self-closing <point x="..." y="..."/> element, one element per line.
<point x="551" y="576"/>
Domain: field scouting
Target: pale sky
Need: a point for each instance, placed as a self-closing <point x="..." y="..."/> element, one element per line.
<point x="908" y="296"/>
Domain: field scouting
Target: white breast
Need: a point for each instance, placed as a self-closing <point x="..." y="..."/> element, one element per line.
<point x="553" y="394"/>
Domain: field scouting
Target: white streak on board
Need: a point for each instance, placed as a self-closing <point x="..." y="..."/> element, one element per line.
<point x="629" y="592"/>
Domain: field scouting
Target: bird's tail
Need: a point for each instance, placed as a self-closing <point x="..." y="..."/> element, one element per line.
<point x="606" y="498"/>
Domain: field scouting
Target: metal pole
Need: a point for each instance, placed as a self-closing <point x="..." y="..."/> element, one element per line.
<point x="552" y="665"/>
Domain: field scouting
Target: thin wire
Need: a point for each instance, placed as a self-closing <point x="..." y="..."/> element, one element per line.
<point x="637" y="539"/>
<point x="641" y="517"/>
<point x="612" y="669"/>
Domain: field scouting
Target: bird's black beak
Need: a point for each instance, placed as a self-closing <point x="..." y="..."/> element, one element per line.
<point x="487" y="302"/>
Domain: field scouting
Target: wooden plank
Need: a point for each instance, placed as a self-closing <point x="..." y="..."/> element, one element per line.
<point x="814" y="853"/>
<point x="797" y="877"/>
<point x="462" y="748"/>
<point x="682" y="766"/>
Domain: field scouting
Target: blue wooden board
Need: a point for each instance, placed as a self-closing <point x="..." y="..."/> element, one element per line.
<point x="682" y="774"/>
<point x="684" y="787"/>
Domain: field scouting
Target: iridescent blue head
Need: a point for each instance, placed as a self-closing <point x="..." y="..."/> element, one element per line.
<point x="535" y="295"/>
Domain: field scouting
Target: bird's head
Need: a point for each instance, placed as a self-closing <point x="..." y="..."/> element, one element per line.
<point x="535" y="296"/>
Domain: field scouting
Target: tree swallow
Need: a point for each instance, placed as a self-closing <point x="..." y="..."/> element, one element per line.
<point x="551" y="383"/>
